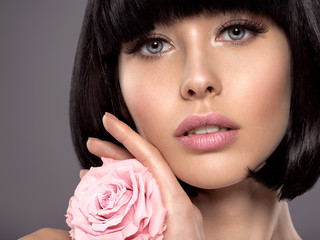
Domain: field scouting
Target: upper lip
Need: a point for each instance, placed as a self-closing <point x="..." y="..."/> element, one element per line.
<point x="200" y="120"/>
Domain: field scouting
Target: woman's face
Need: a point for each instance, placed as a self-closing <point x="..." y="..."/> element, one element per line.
<point x="212" y="93"/>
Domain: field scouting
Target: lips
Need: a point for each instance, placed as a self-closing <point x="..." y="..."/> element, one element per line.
<point x="211" y="131"/>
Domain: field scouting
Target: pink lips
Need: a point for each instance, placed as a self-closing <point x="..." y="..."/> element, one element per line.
<point x="209" y="141"/>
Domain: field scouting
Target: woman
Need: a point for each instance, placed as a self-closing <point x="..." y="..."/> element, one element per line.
<point x="222" y="96"/>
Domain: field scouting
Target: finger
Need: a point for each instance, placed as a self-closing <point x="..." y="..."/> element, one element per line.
<point x="199" y="220"/>
<point x="142" y="150"/>
<point x="82" y="173"/>
<point x="107" y="149"/>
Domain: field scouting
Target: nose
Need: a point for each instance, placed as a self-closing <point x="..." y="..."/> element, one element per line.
<point x="200" y="78"/>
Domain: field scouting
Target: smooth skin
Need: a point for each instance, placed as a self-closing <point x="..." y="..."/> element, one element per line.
<point x="201" y="70"/>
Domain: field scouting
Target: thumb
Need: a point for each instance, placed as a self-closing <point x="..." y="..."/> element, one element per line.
<point x="82" y="173"/>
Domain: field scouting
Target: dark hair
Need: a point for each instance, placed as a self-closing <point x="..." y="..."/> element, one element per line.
<point x="294" y="167"/>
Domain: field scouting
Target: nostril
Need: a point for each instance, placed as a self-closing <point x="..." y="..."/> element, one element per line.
<point x="210" y="89"/>
<point x="191" y="92"/>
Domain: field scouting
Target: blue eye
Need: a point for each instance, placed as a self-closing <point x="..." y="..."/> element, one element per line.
<point x="235" y="34"/>
<point x="240" y="31"/>
<point x="155" y="46"/>
<point x="149" y="47"/>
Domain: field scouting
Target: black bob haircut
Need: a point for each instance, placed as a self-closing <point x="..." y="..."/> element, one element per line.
<point x="293" y="168"/>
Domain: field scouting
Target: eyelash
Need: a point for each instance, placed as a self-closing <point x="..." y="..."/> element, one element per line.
<point x="138" y="44"/>
<point x="255" y="28"/>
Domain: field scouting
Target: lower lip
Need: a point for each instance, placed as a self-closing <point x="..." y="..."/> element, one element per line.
<point x="210" y="141"/>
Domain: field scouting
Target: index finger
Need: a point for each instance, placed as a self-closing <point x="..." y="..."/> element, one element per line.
<point x="145" y="152"/>
<point x="106" y="149"/>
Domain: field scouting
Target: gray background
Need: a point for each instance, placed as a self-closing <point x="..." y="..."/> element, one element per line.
<point x="39" y="170"/>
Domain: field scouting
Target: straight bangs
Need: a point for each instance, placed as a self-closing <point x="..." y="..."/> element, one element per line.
<point x="121" y="21"/>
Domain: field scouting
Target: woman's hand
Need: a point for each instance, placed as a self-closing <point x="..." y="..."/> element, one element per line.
<point x="184" y="220"/>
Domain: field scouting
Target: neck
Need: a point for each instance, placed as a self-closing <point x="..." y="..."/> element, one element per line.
<point x="246" y="210"/>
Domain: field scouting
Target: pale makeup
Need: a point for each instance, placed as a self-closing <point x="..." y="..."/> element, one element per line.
<point x="210" y="64"/>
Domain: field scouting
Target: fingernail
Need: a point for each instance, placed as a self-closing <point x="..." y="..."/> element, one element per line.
<point x="82" y="173"/>
<point x="110" y="116"/>
<point x="90" y="139"/>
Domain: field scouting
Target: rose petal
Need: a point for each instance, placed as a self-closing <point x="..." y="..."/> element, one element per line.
<point x="119" y="200"/>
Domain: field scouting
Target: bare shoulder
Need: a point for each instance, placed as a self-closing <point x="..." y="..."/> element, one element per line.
<point x="48" y="234"/>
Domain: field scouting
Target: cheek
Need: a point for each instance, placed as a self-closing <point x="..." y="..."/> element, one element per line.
<point x="262" y="98"/>
<point x="270" y="84"/>
<point x="265" y="93"/>
<point x="140" y="103"/>
<point x="143" y="93"/>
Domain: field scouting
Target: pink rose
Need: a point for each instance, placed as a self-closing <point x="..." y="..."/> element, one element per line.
<point x="119" y="200"/>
